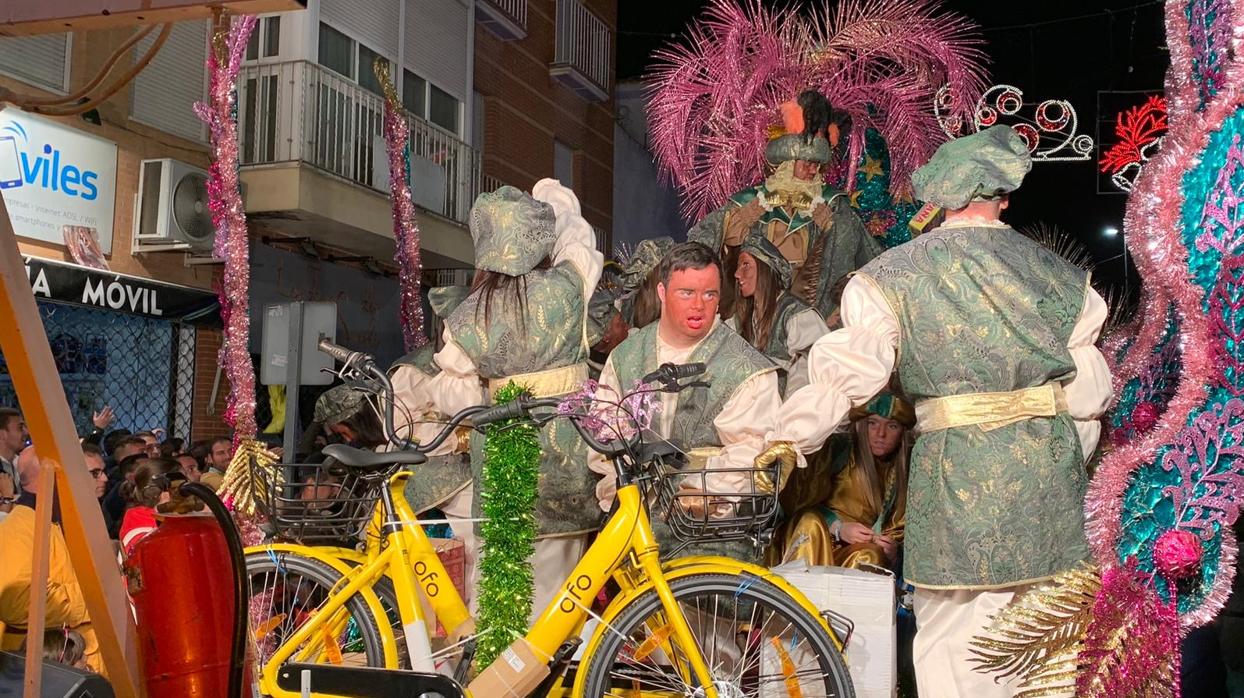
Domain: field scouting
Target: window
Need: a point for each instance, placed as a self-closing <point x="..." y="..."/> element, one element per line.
<point x="367" y="73"/>
<point x="563" y="163"/>
<point x="336" y="51"/>
<point x="443" y="109"/>
<point x="268" y="35"/>
<point x="477" y="120"/>
<point x="414" y="93"/>
<point x="39" y="60"/>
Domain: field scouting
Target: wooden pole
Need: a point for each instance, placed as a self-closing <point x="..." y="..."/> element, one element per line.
<point x="42" y="399"/>
<point x="44" y="495"/>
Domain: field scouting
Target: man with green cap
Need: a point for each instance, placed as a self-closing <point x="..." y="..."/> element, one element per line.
<point x="812" y="224"/>
<point x="525" y="321"/>
<point x="992" y="337"/>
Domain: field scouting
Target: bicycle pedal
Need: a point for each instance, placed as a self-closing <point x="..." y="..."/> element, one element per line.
<point x="462" y="674"/>
<point x="364" y="682"/>
<point x="557" y="667"/>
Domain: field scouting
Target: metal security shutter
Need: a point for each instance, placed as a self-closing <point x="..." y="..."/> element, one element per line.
<point x="372" y="22"/>
<point x="436" y="43"/>
<point x="38" y="60"/>
<point x="164" y="93"/>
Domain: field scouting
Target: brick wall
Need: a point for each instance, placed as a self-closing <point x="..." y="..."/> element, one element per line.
<point x="525" y="110"/>
<point x="207" y="420"/>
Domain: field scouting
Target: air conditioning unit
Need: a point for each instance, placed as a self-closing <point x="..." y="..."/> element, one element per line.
<point x="172" y="207"/>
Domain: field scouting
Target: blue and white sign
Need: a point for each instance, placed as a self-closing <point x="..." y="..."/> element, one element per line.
<point x="53" y="176"/>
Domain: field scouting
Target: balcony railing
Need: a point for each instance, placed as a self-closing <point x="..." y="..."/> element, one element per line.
<point x="583" y="52"/>
<point x="505" y="18"/>
<point x="301" y="112"/>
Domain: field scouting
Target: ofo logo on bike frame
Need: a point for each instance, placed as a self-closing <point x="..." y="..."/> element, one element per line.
<point x="23" y="163"/>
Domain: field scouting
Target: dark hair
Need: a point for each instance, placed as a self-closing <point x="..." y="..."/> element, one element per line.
<point x="113" y="439"/>
<point x="754" y="315"/>
<point x="151" y="478"/>
<point x="132" y="440"/>
<point x="489" y="283"/>
<point x="92" y="450"/>
<point x="212" y="444"/>
<point x="8" y="414"/>
<point x="835" y="291"/>
<point x="200" y="451"/>
<point x="198" y="462"/>
<point x="688" y="255"/>
<point x="646" y="308"/>
<point x="172" y="447"/>
<point x="127" y="464"/>
<point x="368" y="432"/>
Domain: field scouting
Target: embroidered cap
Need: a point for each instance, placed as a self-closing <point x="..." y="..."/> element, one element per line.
<point x="978" y="167"/>
<point x="338" y="404"/>
<point x="766" y="253"/>
<point x="513" y="232"/>
<point x="888" y="405"/>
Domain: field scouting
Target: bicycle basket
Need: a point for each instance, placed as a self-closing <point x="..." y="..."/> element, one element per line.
<point x="718" y="504"/>
<point x="328" y="504"/>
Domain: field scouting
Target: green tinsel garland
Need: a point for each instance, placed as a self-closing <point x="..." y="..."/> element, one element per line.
<point x="511" y="477"/>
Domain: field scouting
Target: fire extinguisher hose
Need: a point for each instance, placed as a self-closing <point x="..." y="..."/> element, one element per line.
<point x="241" y="584"/>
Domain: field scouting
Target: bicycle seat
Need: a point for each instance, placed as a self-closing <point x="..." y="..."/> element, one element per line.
<point x="361" y="459"/>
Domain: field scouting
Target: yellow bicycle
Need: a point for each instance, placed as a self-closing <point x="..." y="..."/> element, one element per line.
<point x="336" y="621"/>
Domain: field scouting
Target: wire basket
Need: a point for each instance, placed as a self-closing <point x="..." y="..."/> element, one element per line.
<point x="327" y="504"/>
<point x="713" y="505"/>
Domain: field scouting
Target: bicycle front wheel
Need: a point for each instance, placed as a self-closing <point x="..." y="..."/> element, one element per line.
<point x="287" y="592"/>
<point x="755" y="639"/>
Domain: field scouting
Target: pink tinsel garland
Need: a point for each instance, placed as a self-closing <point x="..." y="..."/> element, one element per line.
<point x="405" y="228"/>
<point x="229" y="217"/>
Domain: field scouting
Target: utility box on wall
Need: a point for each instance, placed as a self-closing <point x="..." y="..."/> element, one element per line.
<point x="317" y="320"/>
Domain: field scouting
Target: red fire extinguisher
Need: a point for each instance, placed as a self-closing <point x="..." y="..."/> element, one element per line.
<point x="181" y="580"/>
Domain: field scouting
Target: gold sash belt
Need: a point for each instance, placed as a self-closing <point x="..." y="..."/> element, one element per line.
<point x="990" y="411"/>
<point x="550" y="383"/>
<point x="697" y="458"/>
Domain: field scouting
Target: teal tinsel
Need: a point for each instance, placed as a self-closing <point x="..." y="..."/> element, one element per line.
<point x="1147" y="509"/>
<point x="511" y="476"/>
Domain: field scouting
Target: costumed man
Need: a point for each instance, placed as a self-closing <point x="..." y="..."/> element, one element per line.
<point x="811" y="223"/>
<point x="992" y="337"/>
<point x="768" y="316"/>
<point x="721" y="426"/>
<point x="861" y="521"/>
<point x="639" y="303"/>
<point x="525" y="321"/>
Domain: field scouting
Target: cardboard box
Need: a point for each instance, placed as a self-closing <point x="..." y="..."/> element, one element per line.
<point x="867" y="599"/>
<point x="515" y="674"/>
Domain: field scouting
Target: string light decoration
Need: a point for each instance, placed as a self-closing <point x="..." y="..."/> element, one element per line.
<point x="1050" y="131"/>
<point x="1140" y="131"/>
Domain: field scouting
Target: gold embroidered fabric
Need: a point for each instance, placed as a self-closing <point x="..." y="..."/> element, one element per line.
<point x="990" y="411"/>
<point x="550" y="383"/>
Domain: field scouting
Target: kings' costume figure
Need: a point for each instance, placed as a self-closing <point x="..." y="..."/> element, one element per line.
<point x="992" y="336"/>
<point x="811" y="223"/>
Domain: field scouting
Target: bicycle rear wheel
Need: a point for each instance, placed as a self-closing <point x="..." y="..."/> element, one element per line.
<point x="755" y="639"/>
<point x="286" y="591"/>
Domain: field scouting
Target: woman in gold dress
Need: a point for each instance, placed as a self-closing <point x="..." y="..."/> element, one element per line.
<point x="861" y="521"/>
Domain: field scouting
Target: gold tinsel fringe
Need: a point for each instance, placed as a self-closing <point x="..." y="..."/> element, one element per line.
<point x="1038" y="637"/>
<point x="250" y="477"/>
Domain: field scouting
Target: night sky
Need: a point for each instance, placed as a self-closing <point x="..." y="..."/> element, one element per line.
<point x="1049" y="49"/>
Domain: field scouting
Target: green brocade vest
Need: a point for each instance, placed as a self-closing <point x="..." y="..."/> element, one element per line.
<point x="985" y="309"/>
<point x="730" y="361"/>
<point x="547" y="333"/>
<point x="432" y="483"/>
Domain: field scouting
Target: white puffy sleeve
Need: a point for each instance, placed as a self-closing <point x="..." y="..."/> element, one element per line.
<point x="802" y="331"/>
<point x="607" y="486"/>
<point x="744" y="421"/>
<point x="576" y="242"/>
<point x="458" y="385"/>
<point x="846" y="368"/>
<point x="1089" y="393"/>
<point x="415" y="416"/>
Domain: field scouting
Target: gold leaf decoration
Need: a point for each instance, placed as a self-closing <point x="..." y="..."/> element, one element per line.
<point x="249" y="477"/>
<point x="1038" y="637"/>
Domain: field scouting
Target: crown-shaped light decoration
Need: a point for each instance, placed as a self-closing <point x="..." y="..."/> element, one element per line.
<point x="1140" y="130"/>
<point x="1050" y="130"/>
